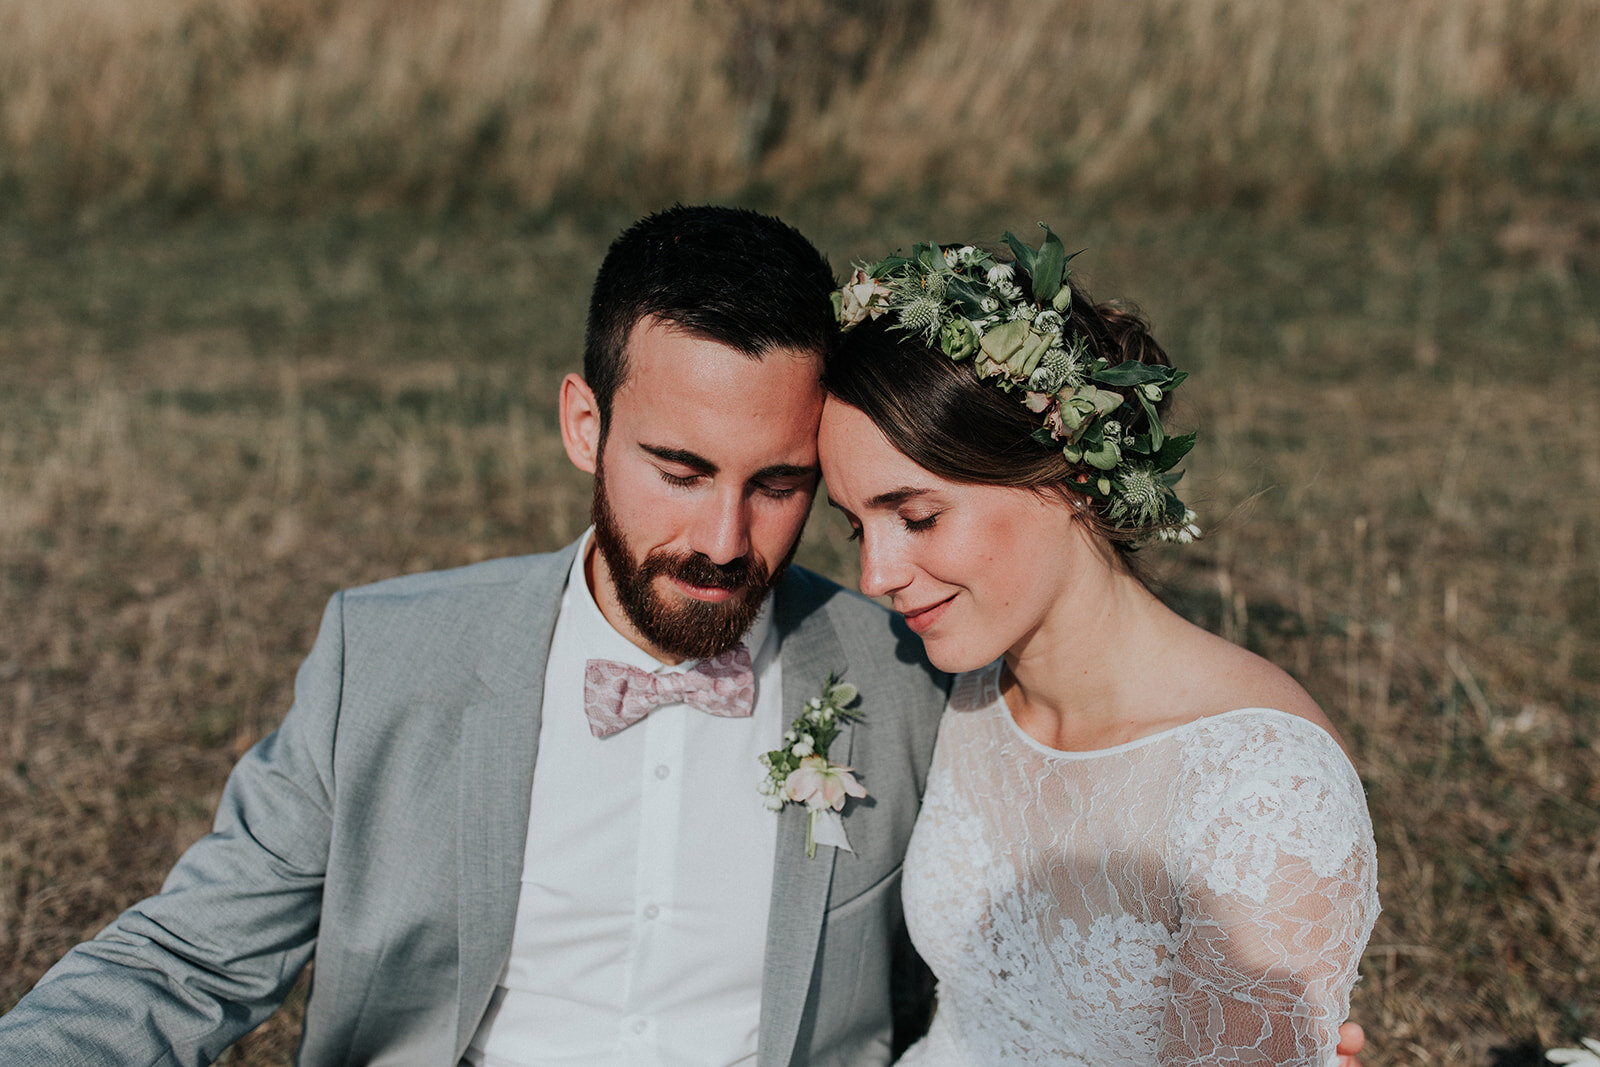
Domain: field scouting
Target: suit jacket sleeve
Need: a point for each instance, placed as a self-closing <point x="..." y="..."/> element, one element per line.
<point x="180" y="976"/>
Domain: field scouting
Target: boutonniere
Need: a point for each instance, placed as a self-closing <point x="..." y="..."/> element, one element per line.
<point x="800" y="773"/>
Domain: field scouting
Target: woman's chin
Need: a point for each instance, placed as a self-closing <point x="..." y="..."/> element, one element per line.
<point x="956" y="657"/>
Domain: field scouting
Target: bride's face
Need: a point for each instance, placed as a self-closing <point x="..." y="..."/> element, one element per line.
<point x="974" y="569"/>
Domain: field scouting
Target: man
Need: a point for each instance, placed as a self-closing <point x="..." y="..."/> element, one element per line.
<point x="478" y="875"/>
<point x="491" y="858"/>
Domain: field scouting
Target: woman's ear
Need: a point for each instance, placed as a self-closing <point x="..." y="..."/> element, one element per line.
<point x="581" y="424"/>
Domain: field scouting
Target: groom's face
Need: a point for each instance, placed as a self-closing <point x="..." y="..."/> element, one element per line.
<point x="703" y="481"/>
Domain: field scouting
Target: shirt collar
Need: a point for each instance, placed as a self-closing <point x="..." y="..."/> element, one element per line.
<point x="603" y="641"/>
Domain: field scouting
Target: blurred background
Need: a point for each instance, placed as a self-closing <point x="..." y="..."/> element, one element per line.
<point x="286" y="287"/>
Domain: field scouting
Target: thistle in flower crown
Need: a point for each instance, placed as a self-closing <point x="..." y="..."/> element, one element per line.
<point x="1017" y="328"/>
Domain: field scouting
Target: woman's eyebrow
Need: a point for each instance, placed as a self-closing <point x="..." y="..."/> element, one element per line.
<point x="896" y="496"/>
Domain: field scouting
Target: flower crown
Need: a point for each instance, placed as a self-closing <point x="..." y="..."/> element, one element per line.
<point x="971" y="305"/>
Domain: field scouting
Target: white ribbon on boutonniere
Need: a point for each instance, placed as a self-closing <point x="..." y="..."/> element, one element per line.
<point x="800" y="772"/>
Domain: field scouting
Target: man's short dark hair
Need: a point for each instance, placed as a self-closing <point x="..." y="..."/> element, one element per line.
<point x="730" y="275"/>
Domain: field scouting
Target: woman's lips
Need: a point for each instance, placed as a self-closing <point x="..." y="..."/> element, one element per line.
<point x="920" y="619"/>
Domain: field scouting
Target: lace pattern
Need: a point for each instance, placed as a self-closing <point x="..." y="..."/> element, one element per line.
<point x="1201" y="895"/>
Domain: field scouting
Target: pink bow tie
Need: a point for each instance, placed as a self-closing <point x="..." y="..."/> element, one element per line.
<point x="617" y="695"/>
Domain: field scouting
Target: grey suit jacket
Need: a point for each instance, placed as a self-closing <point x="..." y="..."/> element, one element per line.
<point x="381" y="830"/>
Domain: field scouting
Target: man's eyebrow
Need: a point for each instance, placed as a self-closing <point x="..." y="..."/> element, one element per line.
<point x="681" y="456"/>
<point x="789" y="470"/>
<point x="697" y="462"/>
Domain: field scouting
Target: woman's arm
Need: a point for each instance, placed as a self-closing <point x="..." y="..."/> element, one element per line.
<point x="1279" y="899"/>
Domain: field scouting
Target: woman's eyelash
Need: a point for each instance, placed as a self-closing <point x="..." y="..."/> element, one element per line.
<point x="918" y="525"/>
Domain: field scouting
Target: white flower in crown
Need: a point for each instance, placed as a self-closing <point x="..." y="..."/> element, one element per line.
<point x="863" y="297"/>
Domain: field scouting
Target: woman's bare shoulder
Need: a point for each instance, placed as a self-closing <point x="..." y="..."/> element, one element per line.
<point x="1234" y="677"/>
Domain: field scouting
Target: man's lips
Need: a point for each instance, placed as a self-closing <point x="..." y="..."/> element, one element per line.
<point x="920" y="619"/>
<point x="711" y="594"/>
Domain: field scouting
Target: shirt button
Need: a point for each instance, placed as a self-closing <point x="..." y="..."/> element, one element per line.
<point x="651" y="911"/>
<point x="639" y="1026"/>
<point x="662" y="770"/>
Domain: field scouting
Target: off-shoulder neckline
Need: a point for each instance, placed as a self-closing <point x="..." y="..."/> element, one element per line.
<point x="992" y="683"/>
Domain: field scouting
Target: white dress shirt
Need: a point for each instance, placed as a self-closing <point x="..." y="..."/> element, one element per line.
<point x="641" y="926"/>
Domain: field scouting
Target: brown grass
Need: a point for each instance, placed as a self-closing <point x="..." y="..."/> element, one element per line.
<point x="1369" y="227"/>
<point x="206" y="430"/>
<point x="366" y="104"/>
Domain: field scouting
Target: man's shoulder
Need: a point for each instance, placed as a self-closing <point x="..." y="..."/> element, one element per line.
<point x="487" y="578"/>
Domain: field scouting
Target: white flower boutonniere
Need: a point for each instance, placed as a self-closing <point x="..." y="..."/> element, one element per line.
<point x="800" y="772"/>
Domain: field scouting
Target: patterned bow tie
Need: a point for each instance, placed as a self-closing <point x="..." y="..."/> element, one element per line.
<point x="617" y="695"/>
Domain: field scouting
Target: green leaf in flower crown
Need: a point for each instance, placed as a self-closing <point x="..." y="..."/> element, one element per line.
<point x="958" y="338"/>
<point x="1158" y="435"/>
<point x="1044" y="436"/>
<point x="1075" y="411"/>
<point x="1131" y="373"/>
<point x="1048" y="266"/>
<point x="1173" y="450"/>
<point x="1106" y="457"/>
<point x="1002" y="342"/>
<point x="888" y="265"/>
<point x="1063" y="299"/>
<point x="1026" y="361"/>
<point x="1105" y="401"/>
<point x="968" y="300"/>
<point x="1026" y="256"/>
<point x="930" y="256"/>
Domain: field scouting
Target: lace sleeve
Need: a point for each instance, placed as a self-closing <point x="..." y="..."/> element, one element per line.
<point x="1278" y="901"/>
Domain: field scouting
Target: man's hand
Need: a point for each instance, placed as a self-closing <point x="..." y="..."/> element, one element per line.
<point x="1352" y="1039"/>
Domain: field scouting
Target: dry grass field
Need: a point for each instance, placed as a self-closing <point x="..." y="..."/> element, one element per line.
<point x="286" y="288"/>
<point x="1299" y="104"/>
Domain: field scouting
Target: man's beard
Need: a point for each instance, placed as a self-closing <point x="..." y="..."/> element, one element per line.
<point x="692" y="629"/>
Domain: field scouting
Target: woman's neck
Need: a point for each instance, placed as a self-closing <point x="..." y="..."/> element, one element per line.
<point x="1080" y="679"/>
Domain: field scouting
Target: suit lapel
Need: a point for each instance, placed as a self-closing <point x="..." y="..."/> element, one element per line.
<point x="499" y="744"/>
<point x="810" y="651"/>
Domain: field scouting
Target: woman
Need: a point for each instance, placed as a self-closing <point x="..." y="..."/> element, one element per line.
<point x="1140" y="844"/>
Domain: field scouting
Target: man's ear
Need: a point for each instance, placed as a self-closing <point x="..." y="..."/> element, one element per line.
<point x="580" y="423"/>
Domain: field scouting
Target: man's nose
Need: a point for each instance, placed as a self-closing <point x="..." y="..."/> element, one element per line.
<point x="722" y="532"/>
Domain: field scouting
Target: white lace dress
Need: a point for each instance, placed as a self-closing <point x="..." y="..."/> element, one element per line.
<point x="1198" y="896"/>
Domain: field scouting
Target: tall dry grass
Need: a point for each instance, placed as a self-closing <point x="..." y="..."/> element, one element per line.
<point x="303" y="104"/>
